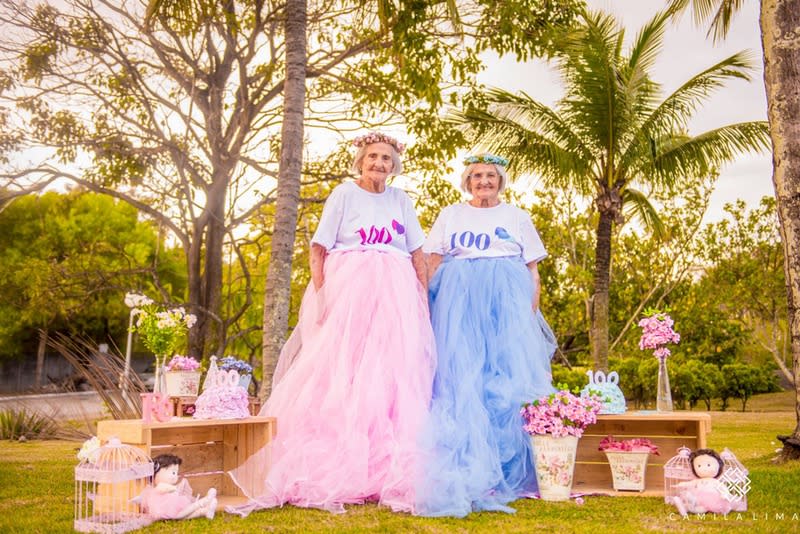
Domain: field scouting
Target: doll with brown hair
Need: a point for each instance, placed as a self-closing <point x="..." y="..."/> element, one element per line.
<point x="706" y="493"/>
<point x="170" y="497"/>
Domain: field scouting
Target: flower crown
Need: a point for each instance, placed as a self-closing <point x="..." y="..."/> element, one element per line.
<point x="378" y="137"/>
<point x="486" y="158"/>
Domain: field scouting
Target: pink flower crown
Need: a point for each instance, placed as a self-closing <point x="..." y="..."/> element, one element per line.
<point x="378" y="137"/>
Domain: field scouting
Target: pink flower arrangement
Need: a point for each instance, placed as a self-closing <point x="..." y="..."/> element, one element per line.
<point x="378" y="137"/>
<point x="609" y="444"/>
<point x="183" y="363"/>
<point x="560" y="414"/>
<point x="656" y="332"/>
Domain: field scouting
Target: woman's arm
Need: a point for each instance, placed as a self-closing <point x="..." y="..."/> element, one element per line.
<point x="434" y="260"/>
<point x="418" y="261"/>
<point x="533" y="267"/>
<point x="317" y="262"/>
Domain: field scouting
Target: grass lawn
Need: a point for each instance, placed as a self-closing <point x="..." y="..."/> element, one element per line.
<point x="36" y="495"/>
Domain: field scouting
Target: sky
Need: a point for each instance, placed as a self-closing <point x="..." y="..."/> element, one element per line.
<point x="686" y="52"/>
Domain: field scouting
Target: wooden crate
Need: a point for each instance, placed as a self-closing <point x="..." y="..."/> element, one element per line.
<point x="208" y="448"/>
<point x="669" y="431"/>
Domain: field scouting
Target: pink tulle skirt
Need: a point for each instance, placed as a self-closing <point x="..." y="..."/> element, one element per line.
<point x="351" y="389"/>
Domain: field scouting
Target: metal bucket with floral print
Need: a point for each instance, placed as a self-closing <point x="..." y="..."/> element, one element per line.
<point x="555" y="464"/>
<point x="628" y="469"/>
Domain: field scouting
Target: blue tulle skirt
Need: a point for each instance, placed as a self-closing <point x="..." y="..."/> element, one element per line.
<point x="493" y="355"/>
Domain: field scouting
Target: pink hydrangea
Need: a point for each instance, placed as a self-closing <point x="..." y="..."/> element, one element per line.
<point x="560" y="414"/>
<point x="627" y="445"/>
<point x="183" y="363"/>
<point x="657" y="331"/>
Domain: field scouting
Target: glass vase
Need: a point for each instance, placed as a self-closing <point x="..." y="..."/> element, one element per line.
<point x="160" y="383"/>
<point x="664" y="395"/>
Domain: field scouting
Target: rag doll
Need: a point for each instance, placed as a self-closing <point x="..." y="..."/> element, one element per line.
<point x="706" y="493"/>
<point x="171" y="498"/>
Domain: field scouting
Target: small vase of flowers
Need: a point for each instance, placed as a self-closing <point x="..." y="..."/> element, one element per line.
<point x="555" y="423"/>
<point x="628" y="461"/>
<point x="657" y="332"/>
<point x="162" y="330"/>
<point x="245" y="370"/>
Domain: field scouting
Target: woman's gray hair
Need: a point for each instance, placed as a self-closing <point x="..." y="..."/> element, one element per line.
<point x="501" y="172"/>
<point x="397" y="164"/>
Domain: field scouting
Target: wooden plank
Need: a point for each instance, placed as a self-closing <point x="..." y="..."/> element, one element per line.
<point x="185" y="435"/>
<point x="202" y="483"/>
<point x="231" y="444"/>
<point x="182" y="422"/>
<point x="197" y="458"/>
<point x="127" y="430"/>
<point x="645" y="427"/>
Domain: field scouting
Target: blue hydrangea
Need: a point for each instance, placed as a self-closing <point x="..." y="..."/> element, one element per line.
<point x="229" y="363"/>
<point x="486" y="158"/>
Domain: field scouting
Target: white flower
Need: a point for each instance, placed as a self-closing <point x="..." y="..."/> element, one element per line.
<point x="191" y="319"/>
<point x="89" y="446"/>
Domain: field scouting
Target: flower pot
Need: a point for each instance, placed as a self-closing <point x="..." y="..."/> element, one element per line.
<point x="182" y="383"/>
<point x="555" y="464"/>
<point x="628" y="469"/>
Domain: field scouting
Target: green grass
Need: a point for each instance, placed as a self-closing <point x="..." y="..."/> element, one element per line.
<point x="36" y="494"/>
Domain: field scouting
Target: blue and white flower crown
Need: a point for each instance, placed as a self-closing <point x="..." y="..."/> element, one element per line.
<point x="486" y="158"/>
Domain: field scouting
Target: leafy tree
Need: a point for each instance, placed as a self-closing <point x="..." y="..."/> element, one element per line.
<point x="744" y="274"/>
<point x="781" y="49"/>
<point x="68" y="260"/>
<point x="742" y="381"/>
<point x="611" y="138"/>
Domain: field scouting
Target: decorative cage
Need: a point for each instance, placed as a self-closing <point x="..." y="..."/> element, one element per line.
<point x="676" y="470"/>
<point x="106" y="485"/>
<point x="734" y="476"/>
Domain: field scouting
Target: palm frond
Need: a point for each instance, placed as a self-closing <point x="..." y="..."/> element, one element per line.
<point x="530" y="152"/>
<point x="721" y="13"/>
<point x="648" y="44"/>
<point x="699" y="155"/>
<point x="635" y="205"/>
<point x="675" y="111"/>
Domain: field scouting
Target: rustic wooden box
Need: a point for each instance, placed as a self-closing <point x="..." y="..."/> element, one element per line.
<point x="208" y="448"/>
<point x="667" y="430"/>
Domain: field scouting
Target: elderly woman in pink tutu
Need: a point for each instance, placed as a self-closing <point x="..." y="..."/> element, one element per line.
<point x="354" y="380"/>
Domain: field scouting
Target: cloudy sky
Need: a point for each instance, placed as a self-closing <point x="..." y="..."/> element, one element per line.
<point x="686" y="52"/>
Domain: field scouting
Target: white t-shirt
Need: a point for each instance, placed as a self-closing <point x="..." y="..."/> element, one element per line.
<point x="355" y="219"/>
<point x="463" y="231"/>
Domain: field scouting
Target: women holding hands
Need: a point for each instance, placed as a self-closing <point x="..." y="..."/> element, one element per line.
<point x="353" y="382"/>
<point x="493" y="346"/>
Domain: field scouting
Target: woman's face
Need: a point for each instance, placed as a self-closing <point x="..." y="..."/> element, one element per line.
<point x="377" y="162"/>
<point x="484" y="182"/>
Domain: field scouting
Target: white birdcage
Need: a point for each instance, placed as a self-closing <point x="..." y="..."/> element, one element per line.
<point x="735" y="477"/>
<point x="676" y="470"/>
<point x="106" y="485"/>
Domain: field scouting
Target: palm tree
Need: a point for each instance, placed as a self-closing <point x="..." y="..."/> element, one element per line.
<point x="611" y="137"/>
<point x="781" y="78"/>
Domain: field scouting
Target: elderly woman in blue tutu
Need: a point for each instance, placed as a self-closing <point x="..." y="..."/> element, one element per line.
<point x="494" y="349"/>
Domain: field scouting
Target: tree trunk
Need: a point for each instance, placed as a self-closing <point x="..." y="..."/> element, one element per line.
<point x="40" y="358"/>
<point x="598" y="334"/>
<point x="277" y="291"/>
<point x="779" y="22"/>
